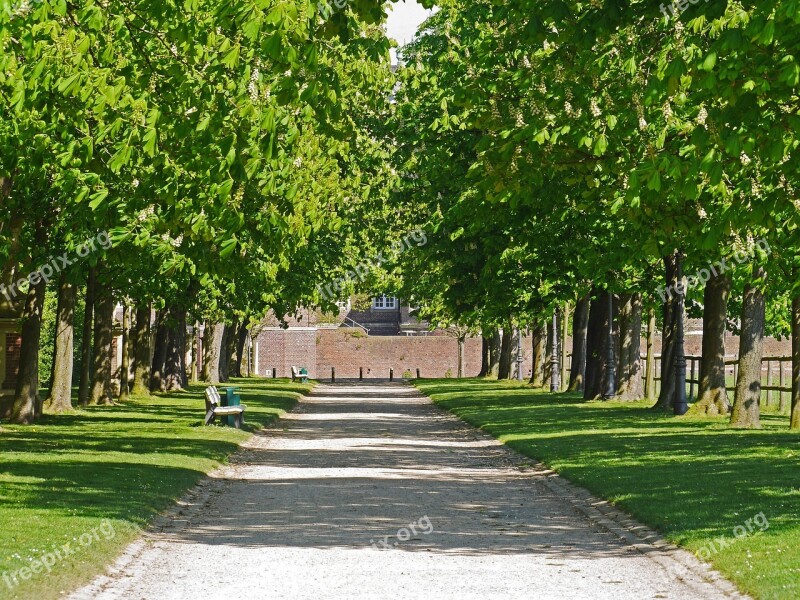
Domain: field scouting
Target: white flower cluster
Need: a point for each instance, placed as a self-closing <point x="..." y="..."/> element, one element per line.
<point x="252" y="87"/>
<point x="595" y="109"/>
<point x="702" y="116"/>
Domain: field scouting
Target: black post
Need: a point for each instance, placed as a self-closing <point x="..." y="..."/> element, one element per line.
<point x="679" y="404"/>
<point x="333" y="374"/>
<point x="391" y="374"/>
<point x="418" y="377"/>
<point x="361" y="373"/>
<point x="274" y="373"/>
<point x="555" y="371"/>
<point x="611" y="374"/>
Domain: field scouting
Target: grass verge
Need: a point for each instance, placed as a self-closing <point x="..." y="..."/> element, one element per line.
<point x="94" y="477"/>
<point x="692" y="478"/>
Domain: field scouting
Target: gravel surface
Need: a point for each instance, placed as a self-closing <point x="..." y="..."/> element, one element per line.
<point x="369" y="491"/>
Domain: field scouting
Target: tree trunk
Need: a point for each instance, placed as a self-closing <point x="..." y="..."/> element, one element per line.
<point x="580" y="324"/>
<point x="484" y="356"/>
<point x="495" y="344"/>
<point x="124" y="362"/>
<point x="668" y="337"/>
<point x="630" y="334"/>
<point x="191" y="355"/>
<point x="650" y="373"/>
<point x="712" y="397"/>
<point x="141" y="353"/>
<point x="227" y="366"/>
<point x="175" y="363"/>
<point x="212" y="344"/>
<point x="794" y="422"/>
<point x="86" y="342"/>
<point x="101" y="392"/>
<point x="751" y="349"/>
<point x="598" y="368"/>
<point x="504" y="369"/>
<point x="240" y="342"/>
<point x="60" y="398"/>
<point x="547" y="361"/>
<point x="538" y="340"/>
<point x="157" y="383"/>
<point x="26" y="400"/>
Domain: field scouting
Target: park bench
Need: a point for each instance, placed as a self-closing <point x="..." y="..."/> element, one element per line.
<point x="215" y="409"/>
<point x="301" y="374"/>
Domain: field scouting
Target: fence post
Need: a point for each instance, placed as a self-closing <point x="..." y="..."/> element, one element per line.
<point x="768" y="399"/>
<point x="781" y="405"/>
<point x="691" y="378"/>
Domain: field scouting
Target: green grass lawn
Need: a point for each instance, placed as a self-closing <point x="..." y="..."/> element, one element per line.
<point x="103" y="473"/>
<point x="692" y="478"/>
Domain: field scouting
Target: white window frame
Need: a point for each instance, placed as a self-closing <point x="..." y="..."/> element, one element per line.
<point x="384" y="302"/>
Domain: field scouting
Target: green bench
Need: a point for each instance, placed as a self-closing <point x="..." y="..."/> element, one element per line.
<point x="215" y="407"/>
<point x="301" y="374"/>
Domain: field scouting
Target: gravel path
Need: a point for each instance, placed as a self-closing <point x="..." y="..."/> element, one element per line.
<point x="369" y="491"/>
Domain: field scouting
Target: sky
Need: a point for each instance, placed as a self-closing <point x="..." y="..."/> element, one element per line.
<point x="404" y="19"/>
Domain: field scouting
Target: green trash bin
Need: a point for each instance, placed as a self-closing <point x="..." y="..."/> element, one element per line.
<point x="303" y="375"/>
<point x="231" y="398"/>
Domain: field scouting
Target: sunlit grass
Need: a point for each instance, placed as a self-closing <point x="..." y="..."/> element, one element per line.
<point x="66" y="476"/>
<point x="692" y="478"/>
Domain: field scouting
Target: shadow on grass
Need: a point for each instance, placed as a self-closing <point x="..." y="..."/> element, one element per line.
<point x="126" y="461"/>
<point x="690" y="477"/>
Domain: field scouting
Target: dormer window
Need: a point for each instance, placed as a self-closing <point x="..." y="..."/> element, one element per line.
<point x="384" y="303"/>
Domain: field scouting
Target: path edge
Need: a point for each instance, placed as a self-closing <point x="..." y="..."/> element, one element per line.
<point x="679" y="562"/>
<point x="177" y="516"/>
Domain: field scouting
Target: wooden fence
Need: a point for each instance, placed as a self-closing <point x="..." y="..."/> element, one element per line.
<point x="776" y="378"/>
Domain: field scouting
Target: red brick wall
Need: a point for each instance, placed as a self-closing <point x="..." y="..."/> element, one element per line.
<point x="281" y="350"/>
<point x="433" y="355"/>
<point x="347" y="353"/>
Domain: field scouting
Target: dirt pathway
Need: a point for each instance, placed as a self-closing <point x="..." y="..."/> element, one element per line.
<point x="369" y="491"/>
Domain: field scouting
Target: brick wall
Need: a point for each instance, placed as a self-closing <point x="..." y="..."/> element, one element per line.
<point x="281" y="350"/>
<point x="347" y="351"/>
<point x="433" y="355"/>
<point x="344" y="350"/>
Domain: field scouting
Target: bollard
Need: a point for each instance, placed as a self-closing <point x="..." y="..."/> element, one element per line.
<point x="333" y="374"/>
<point x="274" y="373"/>
<point x="391" y="374"/>
<point x="361" y="373"/>
<point x="418" y="377"/>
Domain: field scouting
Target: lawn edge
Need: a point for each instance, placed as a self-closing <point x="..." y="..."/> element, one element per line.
<point x="186" y="506"/>
<point x="603" y="513"/>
